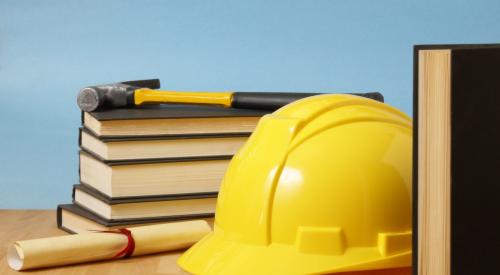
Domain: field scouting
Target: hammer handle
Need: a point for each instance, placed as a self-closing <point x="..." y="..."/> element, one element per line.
<point x="273" y="101"/>
<point x="240" y="100"/>
<point x="142" y="96"/>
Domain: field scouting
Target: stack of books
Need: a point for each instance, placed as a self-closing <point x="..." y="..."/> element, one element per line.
<point x="153" y="164"/>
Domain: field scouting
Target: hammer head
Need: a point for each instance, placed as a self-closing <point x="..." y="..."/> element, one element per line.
<point x="113" y="95"/>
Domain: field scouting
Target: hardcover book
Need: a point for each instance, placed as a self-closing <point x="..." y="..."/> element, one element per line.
<point x="171" y="119"/>
<point x="456" y="159"/>
<point x="138" y="208"/>
<point x="165" y="147"/>
<point x="153" y="177"/>
<point x="182" y="119"/>
<point x="74" y="219"/>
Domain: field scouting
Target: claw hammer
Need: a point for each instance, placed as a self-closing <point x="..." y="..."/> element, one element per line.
<point x="133" y="93"/>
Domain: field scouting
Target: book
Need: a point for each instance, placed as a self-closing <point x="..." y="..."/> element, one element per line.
<point x="171" y="119"/>
<point x="74" y="219"/>
<point x="176" y="206"/>
<point x="154" y="147"/>
<point x="456" y="165"/>
<point x="131" y="178"/>
<point x="189" y="119"/>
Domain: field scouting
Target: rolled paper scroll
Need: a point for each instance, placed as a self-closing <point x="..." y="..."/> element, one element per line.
<point x="87" y="247"/>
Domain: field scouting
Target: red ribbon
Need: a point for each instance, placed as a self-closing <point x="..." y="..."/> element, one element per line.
<point x="129" y="249"/>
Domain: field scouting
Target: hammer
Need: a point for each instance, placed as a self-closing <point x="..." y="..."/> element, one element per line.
<point x="138" y="92"/>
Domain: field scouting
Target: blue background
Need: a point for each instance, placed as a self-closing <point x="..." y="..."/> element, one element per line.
<point x="50" y="49"/>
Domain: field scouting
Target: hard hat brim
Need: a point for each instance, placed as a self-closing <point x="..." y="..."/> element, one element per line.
<point x="214" y="254"/>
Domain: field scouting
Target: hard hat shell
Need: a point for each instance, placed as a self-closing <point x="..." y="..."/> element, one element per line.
<point x="323" y="185"/>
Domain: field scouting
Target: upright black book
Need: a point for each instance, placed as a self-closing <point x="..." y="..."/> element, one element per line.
<point x="456" y="159"/>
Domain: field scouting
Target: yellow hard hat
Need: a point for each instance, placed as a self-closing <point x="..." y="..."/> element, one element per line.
<point x="323" y="185"/>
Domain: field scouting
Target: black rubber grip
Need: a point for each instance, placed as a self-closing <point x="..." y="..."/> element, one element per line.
<point x="274" y="101"/>
<point x="146" y="83"/>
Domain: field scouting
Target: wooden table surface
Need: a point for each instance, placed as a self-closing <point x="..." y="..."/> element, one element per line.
<point x="18" y="225"/>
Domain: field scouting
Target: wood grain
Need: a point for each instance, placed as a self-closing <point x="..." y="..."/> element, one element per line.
<point x="31" y="224"/>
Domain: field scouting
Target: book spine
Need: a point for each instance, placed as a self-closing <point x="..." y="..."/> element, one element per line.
<point x="415" y="164"/>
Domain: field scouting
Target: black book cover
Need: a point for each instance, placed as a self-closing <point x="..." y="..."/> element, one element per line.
<point x="106" y="139"/>
<point x="135" y="199"/>
<point x="156" y="160"/>
<point x="165" y="111"/>
<point x="121" y="222"/>
<point x="113" y="201"/>
<point x="475" y="162"/>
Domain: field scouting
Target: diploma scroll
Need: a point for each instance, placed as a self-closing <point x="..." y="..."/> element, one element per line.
<point x="79" y="248"/>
